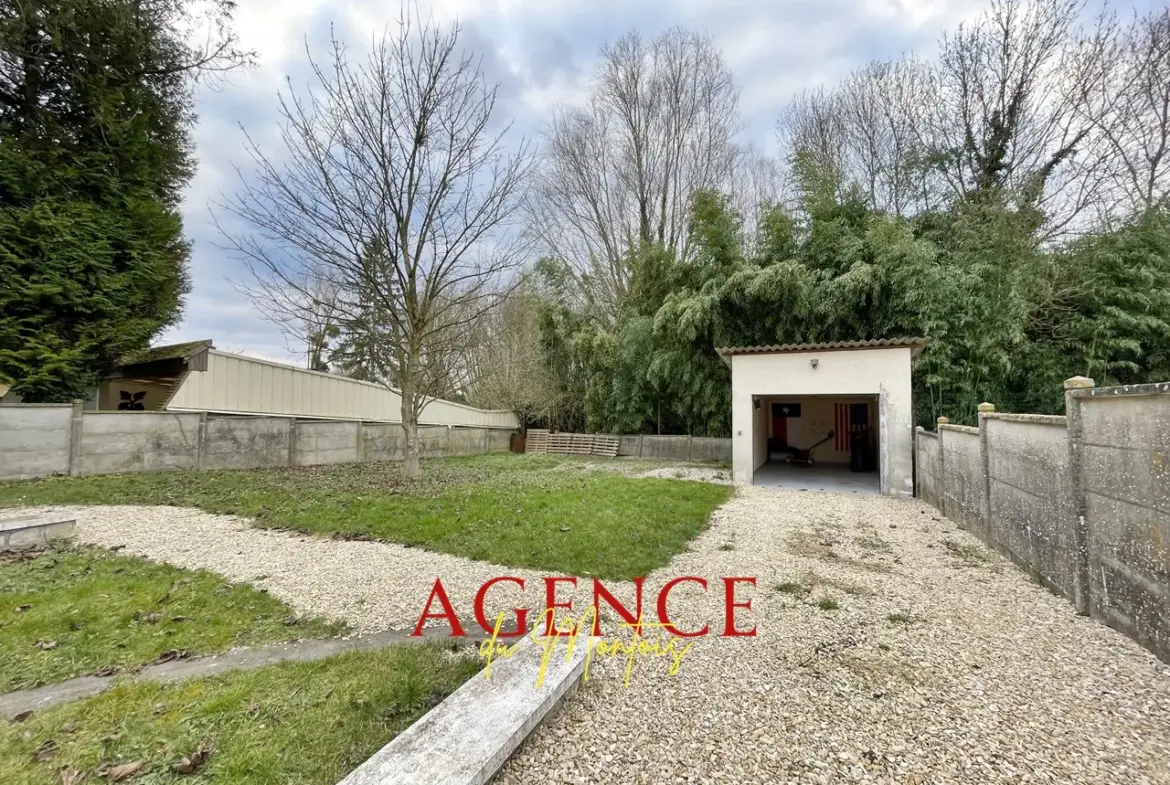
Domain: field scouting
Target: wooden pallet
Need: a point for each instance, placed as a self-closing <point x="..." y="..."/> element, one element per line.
<point x="606" y="445"/>
<point x="603" y="445"/>
<point x="536" y="441"/>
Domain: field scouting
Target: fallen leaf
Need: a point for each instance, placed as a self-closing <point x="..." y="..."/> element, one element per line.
<point x="108" y="670"/>
<point x="253" y="709"/>
<point x="46" y="645"/>
<point x="45" y="752"/>
<point x="160" y="708"/>
<point x="124" y="771"/>
<point x="180" y="618"/>
<point x="22" y="608"/>
<point x="22" y="716"/>
<point x="71" y="776"/>
<point x="194" y="762"/>
<point x="69" y="727"/>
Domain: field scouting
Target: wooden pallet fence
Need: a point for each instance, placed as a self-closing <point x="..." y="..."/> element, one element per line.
<point x="536" y="441"/>
<point x="600" y="444"/>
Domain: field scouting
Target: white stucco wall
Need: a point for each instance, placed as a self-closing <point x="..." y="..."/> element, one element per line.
<point x="882" y="372"/>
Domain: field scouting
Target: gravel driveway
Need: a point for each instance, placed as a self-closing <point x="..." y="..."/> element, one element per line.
<point x="941" y="663"/>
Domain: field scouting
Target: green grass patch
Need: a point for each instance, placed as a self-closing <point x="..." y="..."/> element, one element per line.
<point x="546" y="513"/>
<point x="67" y="612"/>
<point x="899" y="618"/>
<point x="791" y="587"/>
<point x="285" y="724"/>
<point x="828" y="604"/>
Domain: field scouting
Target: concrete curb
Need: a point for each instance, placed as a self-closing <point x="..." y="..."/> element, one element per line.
<point x="30" y="531"/>
<point x="468" y="737"/>
<point x="40" y="698"/>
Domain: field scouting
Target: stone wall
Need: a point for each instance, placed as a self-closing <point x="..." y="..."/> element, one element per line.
<point x="1082" y="502"/>
<point x="43" y="440"/>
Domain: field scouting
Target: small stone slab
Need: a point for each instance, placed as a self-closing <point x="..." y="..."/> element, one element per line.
<point x="468" y="737"/>
<point x="30" y="531"/>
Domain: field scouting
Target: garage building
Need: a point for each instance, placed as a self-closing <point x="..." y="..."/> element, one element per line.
<point x="832" y="416"/>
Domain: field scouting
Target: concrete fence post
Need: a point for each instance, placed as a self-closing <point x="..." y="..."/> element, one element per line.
<point x="690" y="450"/>
<point x="640" y="438"/>
<point x="201" y="441"/>
<point x="1079" y="503"/>
<point x="76" y="428"/>
<point x="450" y="440"/>
<point x="361" y="442"/>
<point x="985" y="409"/>
<point x="292" y="441"/>
<point x="941" y="487"/>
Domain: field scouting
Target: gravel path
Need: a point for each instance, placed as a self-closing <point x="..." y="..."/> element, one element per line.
<point x="942" y="663"/>
<point x="992" y="680"/>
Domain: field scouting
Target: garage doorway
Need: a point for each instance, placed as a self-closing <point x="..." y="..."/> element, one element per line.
<point x="819" y="443"/>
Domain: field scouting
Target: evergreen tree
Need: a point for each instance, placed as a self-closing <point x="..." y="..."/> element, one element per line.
<point x="95" y="149"/>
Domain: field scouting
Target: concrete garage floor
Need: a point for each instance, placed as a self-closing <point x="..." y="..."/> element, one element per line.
<point x="818" y="477"/>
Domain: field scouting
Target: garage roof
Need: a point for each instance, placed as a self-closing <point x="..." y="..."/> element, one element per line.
<point x="916" y="344"/>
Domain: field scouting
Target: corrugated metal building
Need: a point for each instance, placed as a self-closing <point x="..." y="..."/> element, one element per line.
<point x="195" y="377"/>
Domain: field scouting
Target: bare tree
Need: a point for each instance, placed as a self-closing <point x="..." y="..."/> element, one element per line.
<point x="1002" y="115"/>
<point x="394" y="183"/>
<point x="1006" y="106"/>
<point x="659" y="125"/>
<point x="309" y="323"/>
<point x="1126" y="98"/>
<point x="507" y="369"/>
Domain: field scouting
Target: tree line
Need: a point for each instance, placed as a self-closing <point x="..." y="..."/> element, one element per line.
<point x="1005" y="198"/>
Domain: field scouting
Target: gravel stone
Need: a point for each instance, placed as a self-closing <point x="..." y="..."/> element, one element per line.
<point x="941" y="664"/>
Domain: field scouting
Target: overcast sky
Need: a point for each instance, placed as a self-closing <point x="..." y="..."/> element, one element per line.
<point x="541" y="52"/>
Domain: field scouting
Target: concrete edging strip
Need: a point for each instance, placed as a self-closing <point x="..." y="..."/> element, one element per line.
<point x="467" y="738"/>
<point x="29" y="531"/>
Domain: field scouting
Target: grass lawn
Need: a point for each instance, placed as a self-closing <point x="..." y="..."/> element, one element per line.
<point x="285" y="724"/>
<point x="72" y="611"/>
<point x="559" y="515"/>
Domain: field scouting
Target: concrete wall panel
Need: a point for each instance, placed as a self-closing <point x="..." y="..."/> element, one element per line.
<point x="34" y="441"/>
<point x="710" y="450"/>
<point x="1030" y="508"/>
<point x="326" y="441"/>
<point x="117" y="442"/>
<point x="672" y="448"/>
<point x="382" y="442"/>
<point x="246" y="442"/>
<point x="927" y="468"/>
<point x="499" y="439"/>
<point x="963" y="489"/>
<point x="1126" y="476"/>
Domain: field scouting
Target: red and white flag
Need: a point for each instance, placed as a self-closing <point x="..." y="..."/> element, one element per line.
<point x="842" y="428"/>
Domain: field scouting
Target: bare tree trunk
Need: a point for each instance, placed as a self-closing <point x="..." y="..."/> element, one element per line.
<point x="411" y="465"/>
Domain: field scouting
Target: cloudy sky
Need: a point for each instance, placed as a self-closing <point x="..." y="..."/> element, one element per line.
<point x="541" y="52"/>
